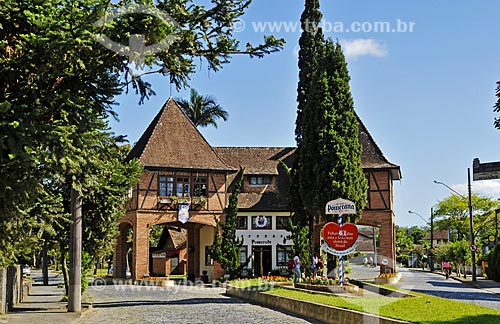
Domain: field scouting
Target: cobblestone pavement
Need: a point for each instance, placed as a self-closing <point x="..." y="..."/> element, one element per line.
<point x="180" y="304"/>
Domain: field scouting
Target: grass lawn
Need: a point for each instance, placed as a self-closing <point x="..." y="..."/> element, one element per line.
<point x="421" y="309"/>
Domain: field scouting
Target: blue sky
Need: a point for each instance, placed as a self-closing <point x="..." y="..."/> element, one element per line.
<point x="426" y="96"/>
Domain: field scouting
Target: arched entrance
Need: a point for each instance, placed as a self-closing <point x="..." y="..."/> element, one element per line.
<point x="123" y="251"/>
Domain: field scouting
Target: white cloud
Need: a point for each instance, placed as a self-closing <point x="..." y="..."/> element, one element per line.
<point x="355" y="48"/>
<point x="489" y="188"/>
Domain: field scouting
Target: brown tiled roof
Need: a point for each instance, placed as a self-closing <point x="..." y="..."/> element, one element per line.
<point x="438" y="235"/>
<point x="255" y="160"/>
<point x="172" y="141"/>
<point x="372" y="156"/>
<point x="268" y="201"/>
<point x="178" y="237"/>
<point x="265" y="160"/>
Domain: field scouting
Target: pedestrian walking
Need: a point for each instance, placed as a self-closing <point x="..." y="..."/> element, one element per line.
<point x="447" y="268"/>
<point x="365" y="261"/>
<point x="296" y="271"/>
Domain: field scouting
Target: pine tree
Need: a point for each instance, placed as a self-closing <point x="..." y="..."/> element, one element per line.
<point x="226" y="247"/>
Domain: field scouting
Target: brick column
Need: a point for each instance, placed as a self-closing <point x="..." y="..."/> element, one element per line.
<point x="140" y="250"/>
<point x="193" y="263"/>
<point x="387" y="241"/>
<point x="383" y="219"/>
<point x="120" y="256"/>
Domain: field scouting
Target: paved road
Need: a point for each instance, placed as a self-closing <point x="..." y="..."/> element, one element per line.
<point x="180" y="304"/>
<point x="436" y="285"/>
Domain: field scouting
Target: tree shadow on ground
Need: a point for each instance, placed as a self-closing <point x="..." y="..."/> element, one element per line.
<point x="483" y="319"/>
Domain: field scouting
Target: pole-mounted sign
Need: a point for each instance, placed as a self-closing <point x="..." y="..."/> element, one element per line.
<point x="339" y="239"/>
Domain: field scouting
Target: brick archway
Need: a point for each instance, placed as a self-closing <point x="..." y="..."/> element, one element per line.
<point x="121" y="250"/>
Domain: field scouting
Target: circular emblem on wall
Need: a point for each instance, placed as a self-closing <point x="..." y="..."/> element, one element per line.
<point x="261" y="221"/>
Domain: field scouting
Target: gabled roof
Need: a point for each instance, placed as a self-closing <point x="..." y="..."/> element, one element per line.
<point x="372" y="156"/>
<point x="255" y="160"/>
<point x="173" y="141"/>
<point x="265" y="160"/>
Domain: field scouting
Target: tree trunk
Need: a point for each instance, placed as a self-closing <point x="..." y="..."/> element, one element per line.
<point x="45" y="267"/>
<point x="65" y="271"/>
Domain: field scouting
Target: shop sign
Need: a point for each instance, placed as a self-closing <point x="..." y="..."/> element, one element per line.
<point x="340" y="206"/>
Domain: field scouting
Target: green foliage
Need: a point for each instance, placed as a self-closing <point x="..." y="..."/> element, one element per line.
<point x="493" y="269"/>
<point x="57" y="85"/>
<point x="202" y="110"/>
<point x="310" y="41"/>
<point x="423" y="308"/>
<point x="453" y="213"/>
<point x="330" y="153"/>
<point x="226" y="247"/>
<point x="301" y="243"/>
<point x="496" y="108"/>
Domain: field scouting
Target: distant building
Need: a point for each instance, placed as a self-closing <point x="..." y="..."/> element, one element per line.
<point x="438" y="237"/>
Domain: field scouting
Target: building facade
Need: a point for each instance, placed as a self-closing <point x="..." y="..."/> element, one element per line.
<point x="186" y="185"/>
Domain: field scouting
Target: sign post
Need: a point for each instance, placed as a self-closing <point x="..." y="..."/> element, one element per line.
<point x="339" y="239"/>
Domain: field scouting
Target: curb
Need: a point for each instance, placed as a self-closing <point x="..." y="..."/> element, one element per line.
<point x="312" y="310"/>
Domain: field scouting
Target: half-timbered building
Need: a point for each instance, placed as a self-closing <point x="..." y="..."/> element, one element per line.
<point x="186" y="186"/>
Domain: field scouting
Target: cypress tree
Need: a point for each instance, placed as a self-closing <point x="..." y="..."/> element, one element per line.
<point x="226" y="247"/>
<point x="330" y="153"/>
<point x="310" y="39"/>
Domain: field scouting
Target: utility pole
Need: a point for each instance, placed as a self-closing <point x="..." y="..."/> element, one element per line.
<point x="472" y="244"/>
<point x="432" y="240"/>
<point x="75" y="268"/>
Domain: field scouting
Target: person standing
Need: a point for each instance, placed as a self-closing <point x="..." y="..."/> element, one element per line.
<point x="315" y="265"/>
<point x="296" y="271"/>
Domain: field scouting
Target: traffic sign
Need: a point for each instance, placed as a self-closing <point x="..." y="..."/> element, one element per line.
<point x="473" y="247"/>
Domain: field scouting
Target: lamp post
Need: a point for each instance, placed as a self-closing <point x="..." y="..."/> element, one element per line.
<point x="431" y="259"/>
<point x="471" y="221"/>
<point x="496" y="226"/>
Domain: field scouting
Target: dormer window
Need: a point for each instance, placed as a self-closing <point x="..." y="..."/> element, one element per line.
<point x="260" y="180"/>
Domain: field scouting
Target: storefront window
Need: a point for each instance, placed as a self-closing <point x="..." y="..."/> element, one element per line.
<point x="283" y="254"/>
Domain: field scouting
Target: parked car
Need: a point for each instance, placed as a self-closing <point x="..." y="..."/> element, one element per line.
<point x="26" y="270"/>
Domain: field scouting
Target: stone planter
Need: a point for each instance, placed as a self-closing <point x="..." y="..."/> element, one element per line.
<point x="389" y="281"/>
<point x="335" y="289"/>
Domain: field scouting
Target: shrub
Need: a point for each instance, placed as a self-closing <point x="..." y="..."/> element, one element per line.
<point x="493" y="269"/>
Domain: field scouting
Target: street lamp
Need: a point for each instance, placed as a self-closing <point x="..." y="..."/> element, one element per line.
<point x="432" y="235"/>
<point x="496" y="226"/>
<point x="471" y="221"/>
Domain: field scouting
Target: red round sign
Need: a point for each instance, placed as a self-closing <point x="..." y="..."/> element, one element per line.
<point x="338" y="237"/>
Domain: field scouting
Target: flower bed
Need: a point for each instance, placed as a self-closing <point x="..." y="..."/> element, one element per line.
<point x="388" y="278"/>
<point x="327" y="285"/>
